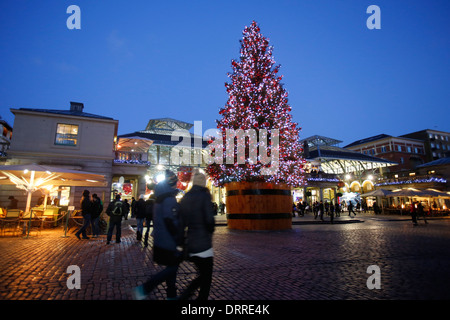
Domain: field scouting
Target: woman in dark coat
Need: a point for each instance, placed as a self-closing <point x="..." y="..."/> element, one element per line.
<point x="197" y="215"/>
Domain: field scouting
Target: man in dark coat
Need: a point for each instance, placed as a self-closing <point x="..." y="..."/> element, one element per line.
<point x="115" y="213"/>
<point x="86" y="212"/>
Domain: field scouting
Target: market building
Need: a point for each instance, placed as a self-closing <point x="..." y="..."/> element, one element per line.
<point x="141" y="158"/>
<point x="408" y="153"/>
<point x="335" y="174"/>
<point x="436" y="143"/>
<point x="64" y="138"/>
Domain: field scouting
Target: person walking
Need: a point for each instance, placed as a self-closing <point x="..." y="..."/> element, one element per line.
<point x="350" y="209"/>
<point x="421" y="212"/>
<point x="133" y="207"/>
<point x="320" y="210"/>
<point x="115" y="213"/>
<point x="86" y="212"/>
<point x="126" y="209"/>
<point x="167" y="236"/>
<point x="198" y="218"/>
<point x="413" y="211"/>
<point x="331" y="212"/>
<point x="139" y="213"/>
<point x="149" y="204"/>
<point x="97" y="208"/>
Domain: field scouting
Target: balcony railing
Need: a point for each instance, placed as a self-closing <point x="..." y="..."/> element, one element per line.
<point x="131" y="158"/>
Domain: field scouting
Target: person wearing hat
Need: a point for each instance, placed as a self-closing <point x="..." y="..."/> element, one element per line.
<point x="86" y="211"/>
<point x="167" y="236"/>
<point x="197" y="214"/>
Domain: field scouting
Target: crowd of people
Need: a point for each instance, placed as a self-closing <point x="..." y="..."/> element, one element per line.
<point x="331" y="209"/>
<point x="182" y="231"/>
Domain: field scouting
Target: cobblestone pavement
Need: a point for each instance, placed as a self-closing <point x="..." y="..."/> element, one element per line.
<point x="313" y="261"/>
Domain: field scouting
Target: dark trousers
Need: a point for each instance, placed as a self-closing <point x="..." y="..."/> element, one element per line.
<point x="86" y="223"/>
<point x="118" y="225"/>
<point x="414" y="217"/>
<point x="169" y="275"/>
<point x="95" y="227"/>
<point x="147" y="232"/>
<point x="204" y="267"/>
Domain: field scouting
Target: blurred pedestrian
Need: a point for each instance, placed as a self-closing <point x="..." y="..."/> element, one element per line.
<point x="126" y="208"/>
<point x="133" y="206"/>
<point x="86" y="212"/>
<point x="198" y="218"/>
<point x="139" y="213"/>
<point x="320" y="210"/>
<point x="149" y="204"/>
<point x="413" y="211"/>
<point x="331" y="212"/>
<point x="421" y="212"/>
<point x="115" y="212"/>
<point x="12" y="202"/>
<point x="167" y="236"/>
<point x="97" y="208"/>
<point x="350" y="208"/>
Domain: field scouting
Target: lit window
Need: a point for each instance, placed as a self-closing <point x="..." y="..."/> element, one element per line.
<point x="66" y="135"/>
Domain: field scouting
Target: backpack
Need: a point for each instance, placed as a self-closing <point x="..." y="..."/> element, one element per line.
<point x="117" y="209"/>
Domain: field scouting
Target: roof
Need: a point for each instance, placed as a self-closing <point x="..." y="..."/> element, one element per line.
<point x="320" y="140"/>
<point x="331" y="152"/>
<point x="67" y="113"/>
<point x="370" y="139"/>
<point x="163" y="125"/>
<point x="162" y="139"/>
<point x="438" y="162"/>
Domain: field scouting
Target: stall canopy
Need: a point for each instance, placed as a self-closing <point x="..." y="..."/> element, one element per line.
<point x="31" y="177"/>
<point x="377" y="193"/>
<point x="410" y="192"/>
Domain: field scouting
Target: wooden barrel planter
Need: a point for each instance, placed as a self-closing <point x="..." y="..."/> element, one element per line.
<point x="258" y="206"/>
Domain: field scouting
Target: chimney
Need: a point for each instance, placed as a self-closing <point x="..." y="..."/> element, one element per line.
<point x="76" y="106"/>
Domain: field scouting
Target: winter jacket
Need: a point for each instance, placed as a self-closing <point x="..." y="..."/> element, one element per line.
<point x="113" y="217"/>
<point x="86" y="206"/>
<point x="167" y="233"/>
<point x="197" y="214"/>
<point x="139" y="209"/>
<point x="97" y="208"/>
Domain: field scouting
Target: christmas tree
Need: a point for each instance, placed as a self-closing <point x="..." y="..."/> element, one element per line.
<point x="258" y="107"/>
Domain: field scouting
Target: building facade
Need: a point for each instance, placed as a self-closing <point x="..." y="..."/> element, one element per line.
<point x="70" y="139"/>
<point x="337" y="174"/>
<point x="408" y="153"/>
<point x="436" y="143"/>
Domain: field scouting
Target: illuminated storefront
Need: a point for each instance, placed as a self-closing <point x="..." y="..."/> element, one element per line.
<point x="335" y="174"/>
<point x="143" y="156"/>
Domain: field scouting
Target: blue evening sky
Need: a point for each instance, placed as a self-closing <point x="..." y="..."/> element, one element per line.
<point x="137" y="60"/>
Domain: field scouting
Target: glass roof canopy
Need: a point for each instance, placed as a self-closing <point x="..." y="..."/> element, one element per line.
<point x="322" y="152"/>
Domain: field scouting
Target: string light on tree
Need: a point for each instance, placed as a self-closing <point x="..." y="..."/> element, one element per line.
<point x="257" y="100"/>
